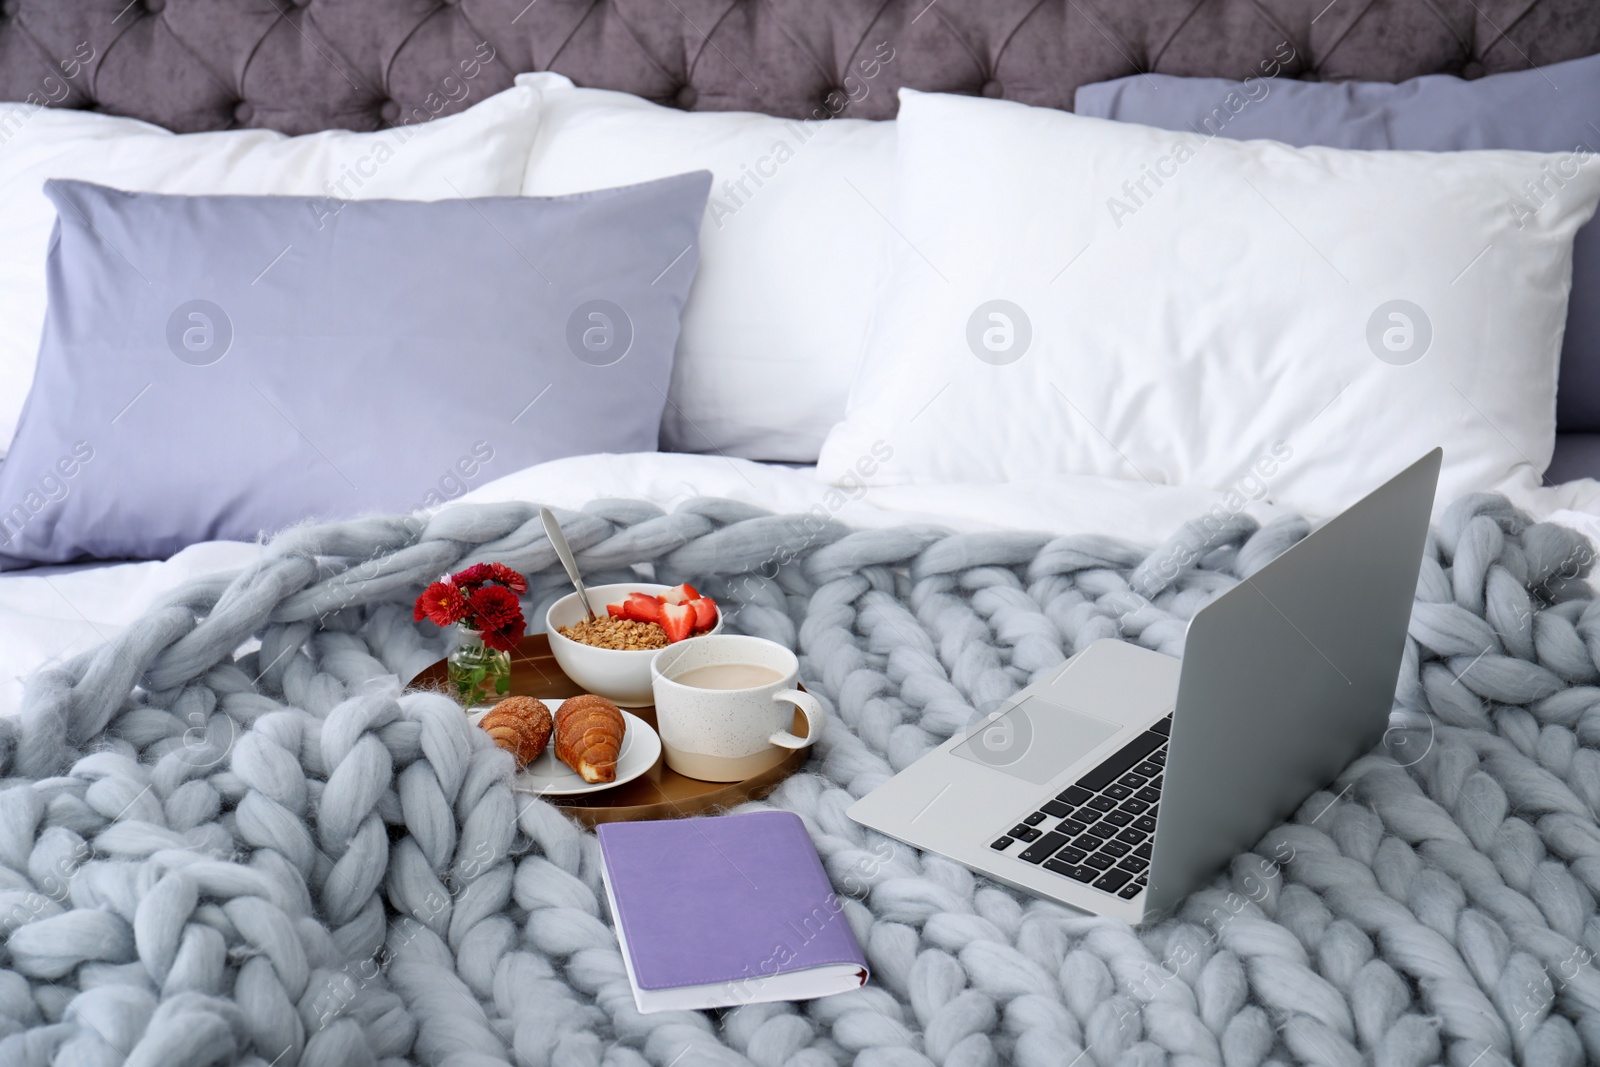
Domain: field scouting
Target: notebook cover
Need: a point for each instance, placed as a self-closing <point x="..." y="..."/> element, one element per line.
<point x="723" y="899"/>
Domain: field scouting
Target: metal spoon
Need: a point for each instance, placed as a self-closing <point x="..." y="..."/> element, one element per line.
<point x="564" y="553"/>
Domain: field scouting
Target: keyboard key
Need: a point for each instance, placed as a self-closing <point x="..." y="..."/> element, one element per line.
<point x="1143" y="851"/>
<point x="1159" y="758"/>
<point x="1132" y="836"/>
<point x="1002" y="844"/>
<point x="1100" y="861"/>
<point x="1133" y="863"/>
<point x="1111" y="881"/>
<point x="1147" y="769"/>
<point x="1118" y="818"/>
<point x="1145" y="823"/>
<point x="1070" y="855"/>
<point x="1071" y="827"/>
<point x="1043" y="847"/>
<point x="1164" y="727"/>
<point x="1132" y="780"/>
<point x="1155" y="783"/>
<point x="1115" y="848"/>
<point x="1081" y="874"/>
<point x="1148" y="794"/>
<point x="1056" y="808"/>
<point x="1100" y="831"/>
<point x="1133" y="807"/>
<point x="1131" y="890"/>
<point x="1102" y="804"/>
<point x="1024" y="833"/>
<point x="1036" y="818"/>
<point x="1122" y="761"/>
<point x="1073" y="794"/>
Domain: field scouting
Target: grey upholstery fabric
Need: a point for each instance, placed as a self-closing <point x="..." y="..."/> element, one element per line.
<point x="1577" y="456"/>
<point x="303" y="65"/>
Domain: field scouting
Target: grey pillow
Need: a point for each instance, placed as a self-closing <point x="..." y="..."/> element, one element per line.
<point x="1547" y="109"/>
<point x="220" y="367"/>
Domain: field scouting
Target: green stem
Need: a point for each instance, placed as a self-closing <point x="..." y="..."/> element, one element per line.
<point x="478" y="674"/>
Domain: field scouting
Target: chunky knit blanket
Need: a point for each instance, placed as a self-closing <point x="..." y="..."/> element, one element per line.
<point x="232" y="836"/>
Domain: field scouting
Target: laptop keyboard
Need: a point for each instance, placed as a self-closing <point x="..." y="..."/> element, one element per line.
<point x="1098" y="830"/>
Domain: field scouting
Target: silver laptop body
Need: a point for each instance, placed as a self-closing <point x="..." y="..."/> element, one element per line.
<point x="1285" y="679"/>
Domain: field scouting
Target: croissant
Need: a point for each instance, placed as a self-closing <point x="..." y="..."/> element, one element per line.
<point x="589" y="737"/>
<point x="521" y="726"/>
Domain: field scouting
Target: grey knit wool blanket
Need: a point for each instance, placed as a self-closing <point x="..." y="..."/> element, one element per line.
<point x="231" y="835"/>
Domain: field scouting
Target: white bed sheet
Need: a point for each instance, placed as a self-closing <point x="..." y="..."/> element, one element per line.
<point x="52" y="613"/>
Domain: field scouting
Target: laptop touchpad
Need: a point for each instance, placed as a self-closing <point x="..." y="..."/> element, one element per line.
<point x="1035" y="740"/>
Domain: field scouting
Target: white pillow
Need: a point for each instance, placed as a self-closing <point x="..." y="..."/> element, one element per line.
<point x="482" y="151"/>
<point x="1209" y="312"/>
<point x="792" y="252"/>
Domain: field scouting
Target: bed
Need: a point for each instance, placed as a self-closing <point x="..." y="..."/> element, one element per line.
<point x="369" y="67"/>
<point x="302" y="68"/>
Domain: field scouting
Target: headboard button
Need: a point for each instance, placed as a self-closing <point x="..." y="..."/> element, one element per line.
<point x="155" y="7"/>
<point x="390" y="111"/>
<point x="688" y="97"/>
<point x="993" y="89"/>
<point x="243" y="112"/>
<point x="10" y="7"/>
<point x="1472" y="69"/>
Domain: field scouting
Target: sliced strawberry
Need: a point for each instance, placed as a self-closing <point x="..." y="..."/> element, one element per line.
<point x="705" y="613"/>
<point x="642" y="607"/>
<point x="616" y="611"/>
<point x="680" y="594"/>
<point x="678" y="621"/>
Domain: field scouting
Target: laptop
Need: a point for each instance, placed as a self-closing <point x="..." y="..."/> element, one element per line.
<point x="1128" y="778"/>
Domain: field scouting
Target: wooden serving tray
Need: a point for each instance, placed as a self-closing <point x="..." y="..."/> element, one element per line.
<point x="659" y="793"/>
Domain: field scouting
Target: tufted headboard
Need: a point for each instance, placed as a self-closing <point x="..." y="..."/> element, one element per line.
<point x="304" y="65"/>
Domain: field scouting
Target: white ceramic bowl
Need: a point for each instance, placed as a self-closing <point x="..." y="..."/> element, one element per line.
<point x="620" y="676"/>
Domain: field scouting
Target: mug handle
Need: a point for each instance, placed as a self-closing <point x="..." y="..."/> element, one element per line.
<point x="811" y="708"/>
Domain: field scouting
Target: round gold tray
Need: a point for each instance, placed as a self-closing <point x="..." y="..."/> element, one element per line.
<point x="659" y="793"/>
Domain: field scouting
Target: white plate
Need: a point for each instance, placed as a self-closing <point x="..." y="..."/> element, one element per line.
<point x="548" y="777"/>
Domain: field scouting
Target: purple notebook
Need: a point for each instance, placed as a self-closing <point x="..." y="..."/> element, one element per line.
<point x="734" y="909"/>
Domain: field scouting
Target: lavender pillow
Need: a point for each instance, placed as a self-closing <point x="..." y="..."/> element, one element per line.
<point x="1547" y="109"/>
<point x="220" y="367"/>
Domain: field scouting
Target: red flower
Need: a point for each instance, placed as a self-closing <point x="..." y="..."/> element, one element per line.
<point x="482" y="597"/>
<point x="478" y="572"/>
<point x="481" y="573"/>
<point x="508" y="577"/>
<point x="506" y="638"/>
<point x="494" y="608"/>
<point x="497" y="614"/>
<point x="442" y="603"/>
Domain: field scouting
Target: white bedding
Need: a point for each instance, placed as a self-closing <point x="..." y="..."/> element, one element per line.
<point x="52" y="613"/>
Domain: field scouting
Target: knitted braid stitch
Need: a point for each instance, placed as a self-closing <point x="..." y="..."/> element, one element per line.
<point x="230" y="835"/>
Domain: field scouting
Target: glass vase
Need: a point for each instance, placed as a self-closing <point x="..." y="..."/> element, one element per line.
<point x="479" y="675"/>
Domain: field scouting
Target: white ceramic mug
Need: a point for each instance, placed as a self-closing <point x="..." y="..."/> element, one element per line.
<point x="728" y="735"/>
